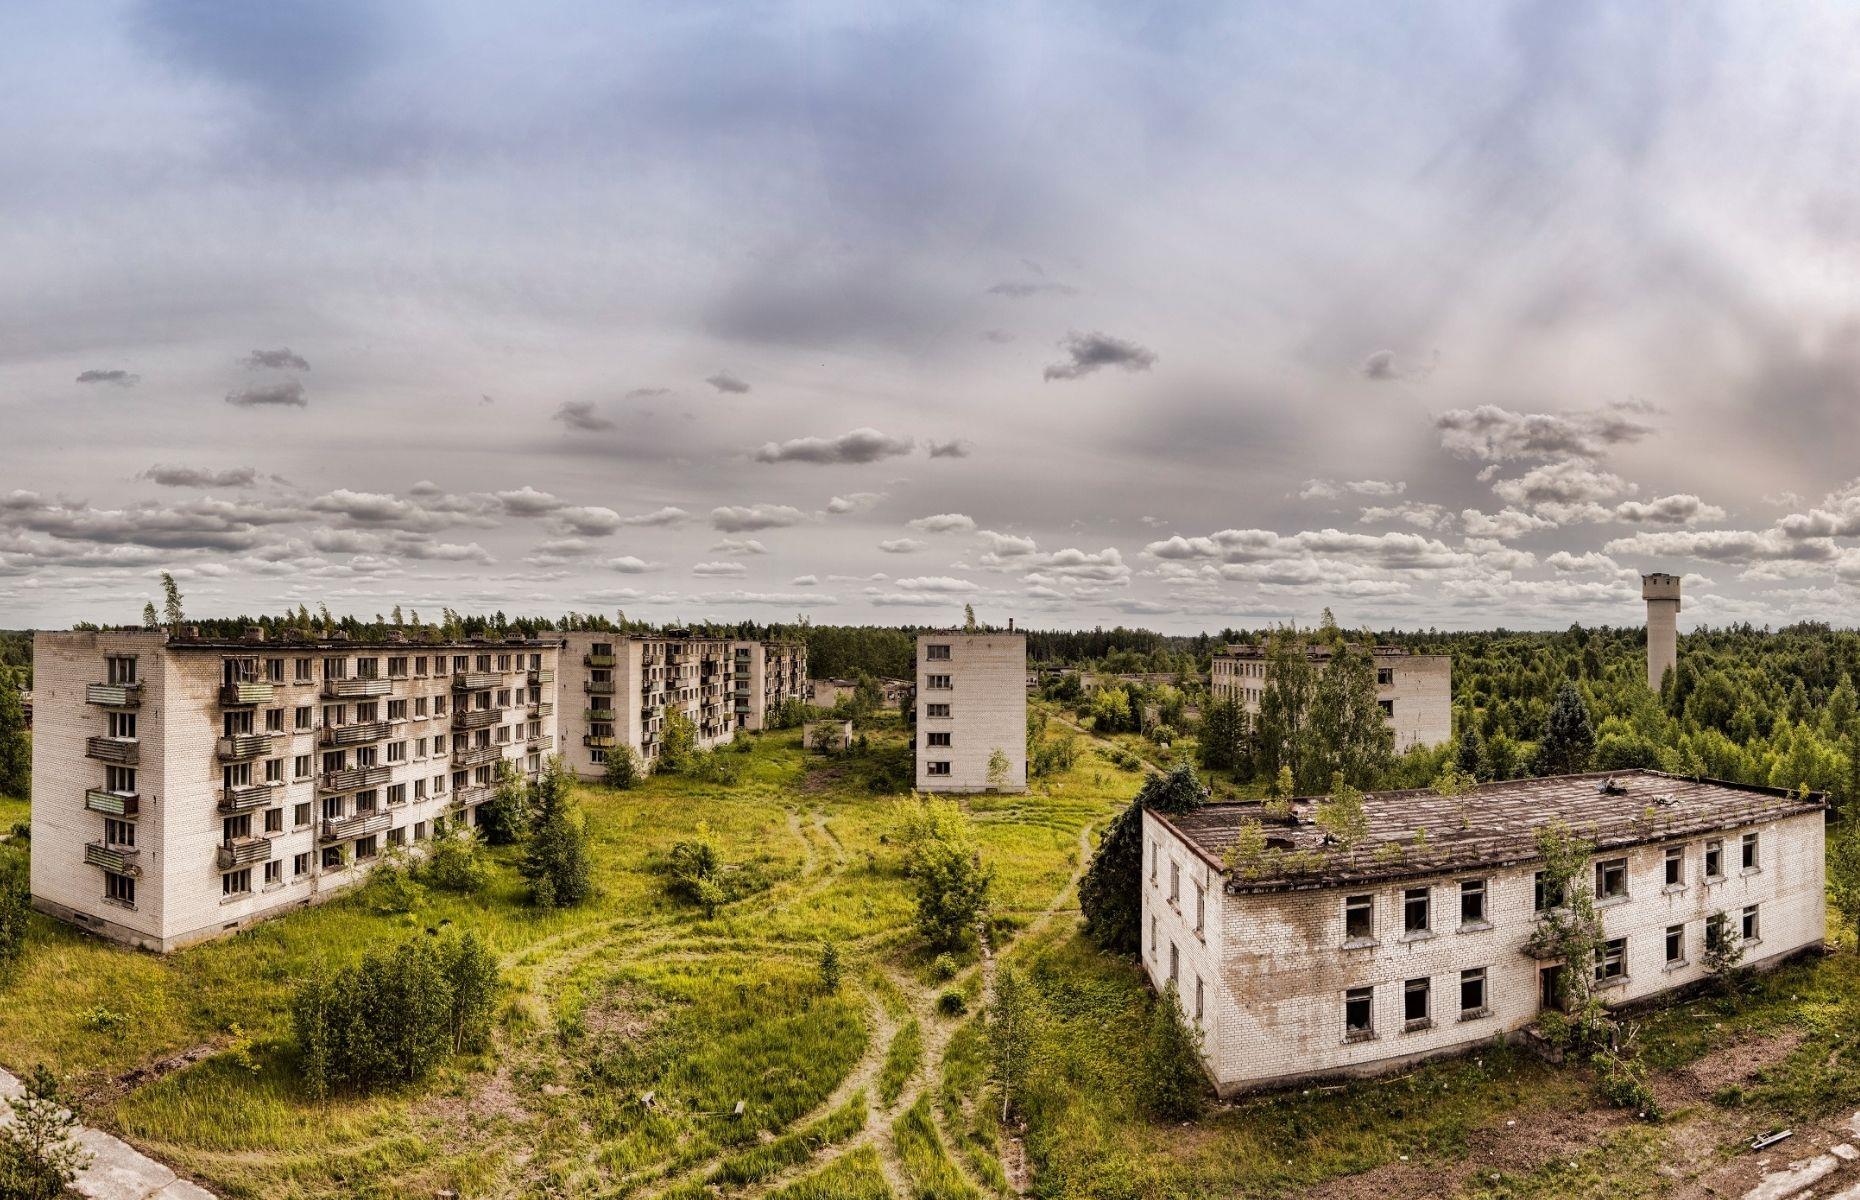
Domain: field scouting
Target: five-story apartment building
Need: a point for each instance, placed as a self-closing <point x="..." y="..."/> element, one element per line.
<point x="184" y="787"/>
<point x="972" y="711"/>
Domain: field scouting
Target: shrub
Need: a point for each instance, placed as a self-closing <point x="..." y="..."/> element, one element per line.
<point x="392" y="887"/>
<point x="15" y="910"/>
<point x="505" y="817"/>
<point x="1174" y="1086"/>
<point x="951" y="1003"/>
<point x="556" y="863"/>
<point x="455" y="861"/>
<point x="1110" y="895"/>
<point x="622" y="770"/>
<point x="943" y="968"/>
<point x="1622" y="1081"/>
<point x="946" y="873"/>
<point x="831" y="969"/>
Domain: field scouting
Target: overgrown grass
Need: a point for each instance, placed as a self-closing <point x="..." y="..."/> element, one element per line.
<point x="771" y="1158"/>
<point x="1624" y="1166"/>
<point x="903" y="1058"/>
<point x="926" y="1163"/>
<point x="852" y="1176"/>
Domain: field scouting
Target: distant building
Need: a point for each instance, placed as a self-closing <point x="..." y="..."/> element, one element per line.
<point x="184" y="787"/>
<point x="615" y="690"/>
<point x="1341" y="964"/>
<point x="825" y="693"/>
<point x="1661" y="592"/>
<point x="971" y="704"/>
<point x="828" y="737"/>
<point x="1414" y="690"/>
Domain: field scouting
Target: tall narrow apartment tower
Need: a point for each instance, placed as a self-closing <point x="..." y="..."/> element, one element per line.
<point x="1661" y="592"/>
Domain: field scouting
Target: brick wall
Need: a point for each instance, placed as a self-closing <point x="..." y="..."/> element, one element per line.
<point x="988" y="710"/>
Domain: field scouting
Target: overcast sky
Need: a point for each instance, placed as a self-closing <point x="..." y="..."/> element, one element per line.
<point x="1187" y="316"/>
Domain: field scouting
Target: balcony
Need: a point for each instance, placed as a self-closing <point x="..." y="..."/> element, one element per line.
<point x="599" y="660"/>
<point x="599" y="743"/>
<point x="354" y="735"/>
<point x="243" y="851"/>
<point x="599" y="687"/>
<point x="542" y="741"/>
<point x="542" y="675"/>
<point x="541" y="708"/>
<point x="603" y="715"/>
<point x="240" y="746"/>
<point x="114" y="695"/>
<point x="114" y="750"/>
<point x="475" y="681"/>
<point x="123" y="860"/>
<point x="247" y="797"/>
<point x="239" y="694"/>
<point x="112" y="804"/>
<point x="352" y="778"/>
<point x="474" y="756"/>
<point x="360" y="825"/>
<point x="475" y="794"/>
<point x="479" y="719"/>
<point x="350" y="689"/>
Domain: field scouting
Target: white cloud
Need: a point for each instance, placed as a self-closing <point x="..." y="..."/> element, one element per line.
<point x="734" y="518"/>
<point x="903" y="546"/>
<point x="720" y="569"/>
<point x="943" y="523"/>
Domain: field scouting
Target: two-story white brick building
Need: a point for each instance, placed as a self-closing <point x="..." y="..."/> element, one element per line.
<point x="183" y="787"/>
<point x="1303" y="961"/>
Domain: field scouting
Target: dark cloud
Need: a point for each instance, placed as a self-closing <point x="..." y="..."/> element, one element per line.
<point x="1381" y="365"/>
<point x="647" y="393"/>
<point x="1492" y="434"/>
<point x="1021" y="289"/>
<point x="856" y="446"/>
<point x="580" y="414"/>
<point x="281" y="359"/>
<point x="199" y="477"/>
<point x="1000" y="337"/>
<point x="1087" y="352"/>
<point x="953" y="448"/>
<point x="724" y="381"/>
<point x="111" y="375"/>
<point x="286" y="393"/>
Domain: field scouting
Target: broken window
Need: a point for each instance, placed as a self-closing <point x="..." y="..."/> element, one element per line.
<point x="1472" y="993"/>
<point x="1714" y="931"/>
<point x="1750" y="852"/>
<point x="1472" y="902"/>
<point x="1611" y="879"/>
<point x="1414" y="1001"/>
<point x="1675" y="866"/>
<point x="1675" y="944"/>
<point x="1414" y="906"/>
<point x="1359" y="918"/>
<point x="1358" y="1005"/>
<point x="1545" y="901"/>
<point x="1611" y="960"/>
<point x="1750" y="923"/>
<point x="1714" y="859"/>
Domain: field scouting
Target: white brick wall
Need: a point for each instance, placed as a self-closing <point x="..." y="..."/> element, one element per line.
<point x="988" y="710"/>
<point x="1276" y="968"/>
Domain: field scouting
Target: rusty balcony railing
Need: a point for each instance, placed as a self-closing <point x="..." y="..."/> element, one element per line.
<point x="473" y="756"/>
<point x="354" y="735"/>
<point x="127" y="751"/>
<point x="477" y="718"/>
<point x="338" y="829"/>
<point x="350" y="689"/>
<point x="598" y="660"/>
<point x="255" y="691"/>
<point x="247" y="797"/>
<point x="351" y="778"/>
<point x="599" y="687"/>
<point x="243" y="851"/>
<point x="124" y="860"/>
<point x="542" y="675"/>
<point x="114" y="695"/>
<point x="542" y="741"/>
<point x="475" y="681"/>
<point x="112" y="804"/>
<point x="239" y="746"/>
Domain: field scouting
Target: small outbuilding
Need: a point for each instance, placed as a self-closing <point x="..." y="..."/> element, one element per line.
<point x="828" y="737"/>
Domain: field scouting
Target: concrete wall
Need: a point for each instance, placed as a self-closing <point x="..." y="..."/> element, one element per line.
<point x="1276" y="968"/>
<point x="988" y="710"/>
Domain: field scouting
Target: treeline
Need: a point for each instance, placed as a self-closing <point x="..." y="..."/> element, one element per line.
<point x="16" y="655"/>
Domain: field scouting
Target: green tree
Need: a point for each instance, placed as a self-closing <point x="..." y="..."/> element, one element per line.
<point x="1569" y="737"/>
<point x="472" y="977"/>
<point x="39" y="1154"/>
<point x="171" y="603"/>
<point x="1110" y="894"/>
<point x="455" y="861"/>
<point x="1843" y="871"/>
<point x="15" y="910"/>
<point x="505" y="817"/>
<point x="556" y="860"/>
<point x="832" y="971"/>
<point x="998" y="768"/>
<point x="948" y="879"/>
<point x="677" y="743"/>
<point x="1174" y="1085"/>
<point x="621" y="770"/>
<point x="1223" y="735"/>
<point x="1345" y="731"/>
<point x="1011" y="1027"/>
<point x="150" y="620"/>
<point x="1341" y="815"/>
<point x="1279" y="728"/>
<point x="15" y="741"/>
<point x="695" y="863"/>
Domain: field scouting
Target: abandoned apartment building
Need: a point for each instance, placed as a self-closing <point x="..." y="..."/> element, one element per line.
<point x="183" y="787"/>
<point x="617" y="689"/>
<point x="1415" y="691"/>
<point x="1300" y="961"/>
<point x="972" y="711"/>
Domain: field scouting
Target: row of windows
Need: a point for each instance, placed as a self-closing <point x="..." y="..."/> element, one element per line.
<point x="249" y="669"/>
<point x="1175" y="890"/>
<point x="1417" y="1000"/>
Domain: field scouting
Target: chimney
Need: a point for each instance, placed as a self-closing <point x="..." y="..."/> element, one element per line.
<point x="1661" y="592"/>
<point x="254" y="633"/>
<point x="1010" y="624"/>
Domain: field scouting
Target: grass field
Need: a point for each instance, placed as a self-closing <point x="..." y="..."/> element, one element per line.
<point x="872" y="1091"/>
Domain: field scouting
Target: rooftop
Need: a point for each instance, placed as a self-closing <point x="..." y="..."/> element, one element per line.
<point x="1322" y="651"/>
<point x="1419" y="832"/>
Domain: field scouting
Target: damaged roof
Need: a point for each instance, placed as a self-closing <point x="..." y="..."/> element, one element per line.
<point x="1419" y="832"/>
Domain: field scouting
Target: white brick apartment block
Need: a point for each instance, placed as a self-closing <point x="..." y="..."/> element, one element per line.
<point x="615" y="690"/>
<point x="1371" y="960"/>
<point x="971" y="702"/>
<point x="1414" y="690"/>
<point x="185" y="787"/>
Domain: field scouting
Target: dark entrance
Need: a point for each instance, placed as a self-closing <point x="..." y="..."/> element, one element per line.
<point x="1550" y="987"/>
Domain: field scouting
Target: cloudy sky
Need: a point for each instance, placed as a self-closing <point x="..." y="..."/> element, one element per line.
<point x="1192" y="316"/>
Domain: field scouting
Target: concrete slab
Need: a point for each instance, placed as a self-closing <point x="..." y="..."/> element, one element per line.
<point x="117" y="1170"/>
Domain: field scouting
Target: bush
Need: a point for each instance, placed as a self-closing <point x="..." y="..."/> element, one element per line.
<point x="946" y="873"/>
<point x="694" y="866"/>
<point x="556" y="863"/>
<point x="505" y="817"/>
<point x="943" y="968"/>
<point x="622" y="770"/>
<point x="831" y="969"/>
<point x="1622" y="1081"/>
<point x="392" y="1017"/>
<point x="1174" y="1085"/>
<point x="15" y="910"/>
<point x="392" y="887"/>
<point x="455" y="861"/>
<point x="951" y="1003"/>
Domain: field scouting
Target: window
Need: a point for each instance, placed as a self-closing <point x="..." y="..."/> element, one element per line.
<point x="1385" y="676"/>
<point x="419" y="831"/>
<point x="274" y="720"/>
<point x="1414" y="910"/>
<point x="1358" y="1014"/>
<point x="1714" y="859"/>
<point x="397" y="837"/>
<point x="1611" y="960"/>
<point x="938" y="739"/>
<point x="120" y="889"/>
<point x="937" y="683"/>
<point x="1414" y="1003"/>
<point x="300" y="814"/>
<point x="274" y="770"/>
<point x="300" y="767"/>
<point x="936" y="768"/>
<point x="1545" y="901"/>
<point x="1175" y="966"/>
<point x="397" y="793"/>
<point x="120" y="779"/>
<point x="1714" y="931"/>
<point x="1155" y="938"/>
<point x="332" y="858"/>
<point x="397" y="752"/>
<point x="274" y="874"/>
<point x="1675" y="945"/>
<point x="1155" y="860"/>
<point x="419" y="706"/>
<point x="123" y="725"/>
<point x="274" y="670"/>
<point x="120" y="670"/>
<point x="1751" y="932"/>
<point x="274" y="820"/>
<point x="397" y="710"/>
<point x="332" y="808"/>
<point x="397" y="668"/>
<point x="233" y="828"/>
<point x="119" y="833"/>
<point x="1472" y="994"/>
<point x="1198" y="1000"/>
<point x="236" y="883"/>
<point x="1750" y="852"/>
<point x="368" y="847"/>
<point x="1175" y="881"/>
<point x="303" y="672"/>
<point x="1675" y="866"/>
<point x="300" y="865"/>
<point x="936" y="710"/>
<point x="1201" y="907"/>
<point x="1359" y="918"/>
<point x="1472" y="902"/>
<point x="1611" y="879"/>
<point x="1387" y="707"/>
<point x="937" y="653"/>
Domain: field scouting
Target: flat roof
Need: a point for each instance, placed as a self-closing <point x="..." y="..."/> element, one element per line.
<point x="1495" y="825"/>
<point x="1324" y="650"/>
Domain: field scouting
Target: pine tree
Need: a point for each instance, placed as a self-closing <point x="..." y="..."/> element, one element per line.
<point x="1569" y="738"/>
<point x="39" y="1153"/>
<point x="1222" y="737"/>
<point x="1110" y="894"/>
<point x="1174" y="1085"/>
<point x="15" y="910"/>
<point x="1470" y="755"/>
<point x="556" y="862"/>
<point x="1844" y="870"/>
<point x="622" y="769"/>
<point x="171" y="603"/>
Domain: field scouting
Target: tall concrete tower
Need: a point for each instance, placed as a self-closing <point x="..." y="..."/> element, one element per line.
<point x="1661" y="592"/>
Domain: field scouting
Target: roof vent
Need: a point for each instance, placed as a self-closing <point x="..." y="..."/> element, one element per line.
<point x="1612" y="787"/>
<point x="255" y="633"/>
<point x="1278" y="843"/>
